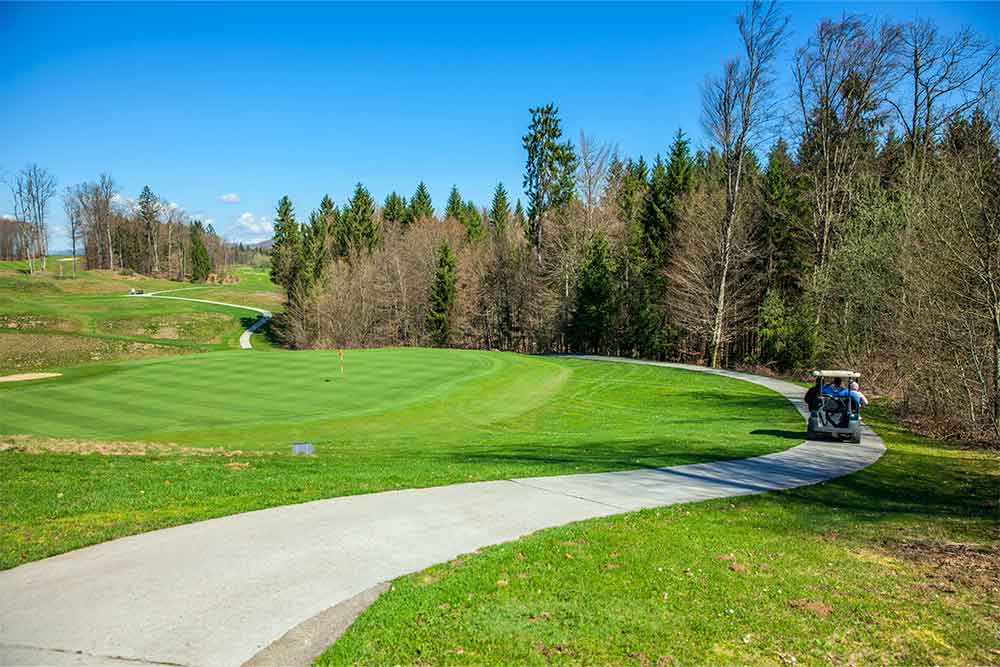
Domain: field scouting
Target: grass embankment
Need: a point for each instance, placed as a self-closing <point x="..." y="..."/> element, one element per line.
<point x="47" y="321"/>
<point x="396" y="418"/>
<point x="897" y="564"/>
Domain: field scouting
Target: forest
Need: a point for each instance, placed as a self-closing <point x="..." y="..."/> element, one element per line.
<point x="838" y="207"/>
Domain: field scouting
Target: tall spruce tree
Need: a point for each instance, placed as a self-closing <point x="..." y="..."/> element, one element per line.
<point x="286" y="248"/>
<point x="453" y="209"/>
<point x="550" y="169"/>
<point x="594" y="314"/>
<point x="656" y="222"/>
<point x="394" y="208"/>
<point x="680" y="178"/>
<point x="472" y="219"/>
<point x="519" y="217"/>
<point x="420" y="204"/>
<point x="149" y="215"/>
<point x="201" y="264"/>
<point x="500" y="209"/>
<point x="782" y="233"/>
<point x="361" y="224"/>
<point x="317" y="240"/>
<point x="442" y="297"/>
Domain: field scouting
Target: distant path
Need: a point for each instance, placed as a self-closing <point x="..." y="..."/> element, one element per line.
<point x="227" y="591"/>
<point x="265" y="315"/>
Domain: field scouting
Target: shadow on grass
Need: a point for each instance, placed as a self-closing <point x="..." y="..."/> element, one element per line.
<point x="909" y="484"/>
<point x="780" y="433"/>
<point x="593" y="456"/>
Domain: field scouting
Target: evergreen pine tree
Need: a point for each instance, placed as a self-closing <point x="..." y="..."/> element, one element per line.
<point x="549" y="173"/>
<point x="594" y="314"/>
<point x="454" y="207"/>
<point x="656" y="222"/>
<point x="420" y="204"/>
<point x="781" y="236"/>
<point x="149" y="215"/>
<point x="519" y="218"/>
<point x="442" y="297"/>
<point x="360" y="222"/>
<point x="201" y="265"/>
<point x="318" y="246"/>
<point x="680" y="173"/>
<point x="394" y="208"/>
<point x="500" y="210"/>
<point x="472" y="219"/>
<point x="286" y="247"/>
<point x="632" y="193"/>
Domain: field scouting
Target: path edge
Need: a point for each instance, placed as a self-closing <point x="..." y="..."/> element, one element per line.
<point x="303" y="644"/>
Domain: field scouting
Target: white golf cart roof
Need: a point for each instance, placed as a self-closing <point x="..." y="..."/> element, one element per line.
<point x="836" y="374"/>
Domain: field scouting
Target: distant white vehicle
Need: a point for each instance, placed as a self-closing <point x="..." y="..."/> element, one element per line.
<point x="134" y="291"/>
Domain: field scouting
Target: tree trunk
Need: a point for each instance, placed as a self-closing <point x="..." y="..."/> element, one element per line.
<point x="111" y="251"/>
<point x="996" y="368"/>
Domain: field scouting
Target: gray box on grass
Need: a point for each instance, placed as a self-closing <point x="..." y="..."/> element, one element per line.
<point x="304" y="448"/>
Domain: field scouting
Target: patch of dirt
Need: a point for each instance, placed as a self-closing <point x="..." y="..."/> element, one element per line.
<point x="30" y="444"/>
<point x="555" y="650"/>
<point x="814" y="607"/>
<point x="197" y="327"/>
<point x="953" y="562"/>
<point x="18" y="377"/>
<point x="36" y="323"/>
<point x="237" y="465"/>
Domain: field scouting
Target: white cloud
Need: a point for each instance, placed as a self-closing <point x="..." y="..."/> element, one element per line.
<point x="252" y="228"/>
<point x="6" y="216"/>
<point x="230" y="198"/>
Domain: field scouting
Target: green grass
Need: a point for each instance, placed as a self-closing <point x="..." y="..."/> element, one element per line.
<point x="897" y="564"/>
<point x="397" y="418"/>
<point x="51" y="322"/>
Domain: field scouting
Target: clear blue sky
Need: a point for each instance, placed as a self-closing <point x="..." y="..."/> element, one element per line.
<point x="263" y="100"/>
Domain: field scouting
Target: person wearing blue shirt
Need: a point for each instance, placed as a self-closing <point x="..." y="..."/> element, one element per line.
<point x="837" y="390"/>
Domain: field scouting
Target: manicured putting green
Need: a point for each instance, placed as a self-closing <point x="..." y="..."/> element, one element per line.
<point x="396" y="418"/>
<point x="407" y="398"/>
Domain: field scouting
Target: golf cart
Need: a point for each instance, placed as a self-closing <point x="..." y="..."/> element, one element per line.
<point x="833" y="412"/>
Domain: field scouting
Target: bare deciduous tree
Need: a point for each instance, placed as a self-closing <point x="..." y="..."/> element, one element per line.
<point x="31" y="190"/>
<point x="843" y="75"/>
<point x="696" y="273"/>
<point x="943" y="77"/>
<point x="736" y="111"/>
<point x="592" y="170"/>
<point x="73" y="205"/>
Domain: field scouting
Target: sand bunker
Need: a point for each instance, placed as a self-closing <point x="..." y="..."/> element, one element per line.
<point x="17" y="377"/>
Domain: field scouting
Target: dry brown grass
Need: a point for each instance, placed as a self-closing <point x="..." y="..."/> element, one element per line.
<point x="30" y="444"/>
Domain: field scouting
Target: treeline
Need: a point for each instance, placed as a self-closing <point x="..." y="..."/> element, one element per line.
<point x="857" y="227"/>
<point x="150" y="236"/>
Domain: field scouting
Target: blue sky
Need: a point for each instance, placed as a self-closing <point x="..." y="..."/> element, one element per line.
<point x="260" y="100"/>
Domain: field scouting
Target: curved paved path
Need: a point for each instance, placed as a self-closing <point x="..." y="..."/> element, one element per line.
<point x="265" y="315"/>
<point x="218" y="592"/>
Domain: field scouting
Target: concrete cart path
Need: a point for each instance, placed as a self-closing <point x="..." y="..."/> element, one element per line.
<point x="218" y="592"/>
<point x="265" y="315"/>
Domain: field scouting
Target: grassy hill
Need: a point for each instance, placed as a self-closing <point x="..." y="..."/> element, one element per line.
<point x="48" y="321"/>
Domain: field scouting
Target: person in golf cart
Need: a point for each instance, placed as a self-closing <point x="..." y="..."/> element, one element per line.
<point x="834" y="410"/>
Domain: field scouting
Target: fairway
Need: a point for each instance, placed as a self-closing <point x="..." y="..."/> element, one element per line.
<point x="210" y="434"/>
